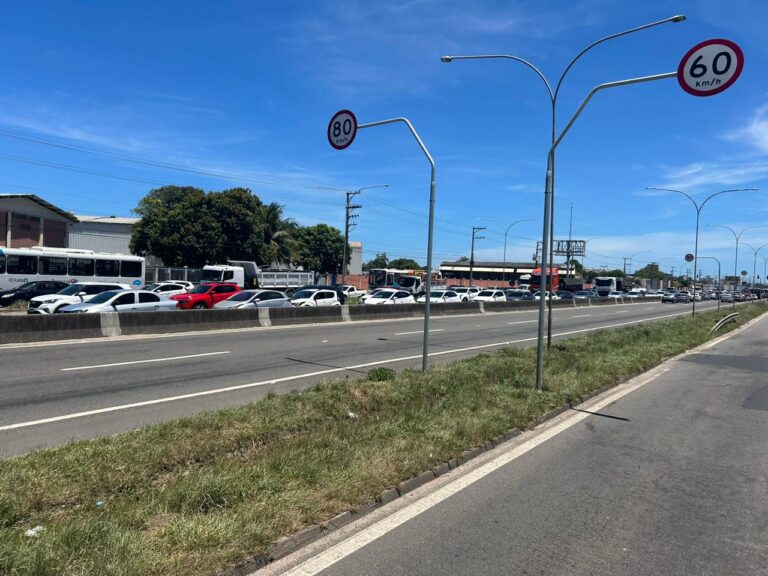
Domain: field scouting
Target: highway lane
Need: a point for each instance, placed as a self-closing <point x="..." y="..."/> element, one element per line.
<point x="43" y="385"/>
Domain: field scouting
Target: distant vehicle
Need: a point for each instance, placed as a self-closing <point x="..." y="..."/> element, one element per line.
<point x="517" y="295"/>
<point x="565" y="294"/>
<point x="584" y="295"/>
<point x="684" y="297"/>
<point x="370" y="293"/>
<point x="616" y="294"/>
<point x="604" y="285"/>
<point x="351" y="291"/>
<point x="441" y="297"/>
<point x="390" y="296"/>
<point x="466" y="293"/>
<point x="169" y="288"/>
<point x="537" y="296"/>
<point x="29" y="290"/>
<point x="670" y="297"/>
<point x="335" y="288"/>
<point x="123" y="301"/>
<point x="726" y="297"/>
<point x="205" y="295"/>
<point x="637" y="293"/>
<point x="410" y="281"/>
<point x="255" y="299"/>
<point x="553" y="278"/>
<point x="491" y="296"/>
<point x="315" y="297"/>
<point x="248" y="275"/>
<point x="38" y="263"/>
<point x="73" y="294"/>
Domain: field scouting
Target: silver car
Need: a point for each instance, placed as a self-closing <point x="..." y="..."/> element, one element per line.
<point x="123" y="301"/>
<point x="255" y="299"/>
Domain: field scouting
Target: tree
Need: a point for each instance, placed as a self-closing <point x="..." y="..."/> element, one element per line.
<point x="278" y="236"/>
<point x="322" y="248"/>
<point x="650" y="272"/>
<point x="405" y="264"/>
<point x="463" y="259"/>
<point x="237" y="213"/>
<point x="381" y="261"/>
<point x="177" y="225"/>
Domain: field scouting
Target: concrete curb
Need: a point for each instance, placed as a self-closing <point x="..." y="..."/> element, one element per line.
<point x="289" y="544"/>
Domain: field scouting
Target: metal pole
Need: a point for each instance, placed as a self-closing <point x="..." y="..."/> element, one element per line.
<point x="543" y="276"/>
<point x="430" y="231"/>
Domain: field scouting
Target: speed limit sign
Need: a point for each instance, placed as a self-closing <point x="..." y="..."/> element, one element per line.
<point x="710" y="67"/>
<point x="342" y="129"/>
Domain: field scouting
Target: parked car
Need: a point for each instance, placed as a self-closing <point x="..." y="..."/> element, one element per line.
<point x="565" y="294"/>
<point x="205" y="295"/>
<point x="515" y="295"/>
<point x="466" y="293"/>
<point x="336" y="288"/>
<point x="255" y="299"/>
<point x="390" y="296"/>
<point x="123" y="301"/>
<point x="29" y="290"/>
<point x="370" y="293"/>
<point x="616" y="294"/>
<point x="537" y="295"/>
<point x="490" y="295"/>
<point x="441" y="297"/>
<point x="169" y="288"/>
<point x="72" y="294"/>
<point x="315" y="297"/>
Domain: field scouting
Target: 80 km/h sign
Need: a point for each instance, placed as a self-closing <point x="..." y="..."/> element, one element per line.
<point x="342" y="129"/>
<point x="710" y="67"/>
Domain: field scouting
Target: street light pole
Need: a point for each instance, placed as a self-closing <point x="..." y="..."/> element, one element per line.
<point x="506" y="232"/>
<point x="736" y="259"/>
<point x="698" y="208"/>
<point x="633" y="255"/>
<point x="549" y="184"/>
<point x="718" y="276"/>
<point x="754" y="262"/>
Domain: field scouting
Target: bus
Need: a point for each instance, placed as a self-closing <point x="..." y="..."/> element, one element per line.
<point x="554" y="280"/>
<point x="21" y="265"/>
<point x="409" y="280"/>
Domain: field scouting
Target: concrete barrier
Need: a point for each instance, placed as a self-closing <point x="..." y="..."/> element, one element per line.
<point x="306" y="315"/>
<point x="186" y="321"/>
<point x="41" y="328"/>
<point x="383" y="311"/>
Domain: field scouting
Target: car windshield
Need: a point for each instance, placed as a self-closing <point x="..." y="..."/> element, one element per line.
<point x="486" y="293"/>
<point x="303" y="294"/>
<point x="152" y="286"/>
<point x="210" y="275"/>
<point x="26" y="286"/>
<point x="383" y="294"/>
<point x="200" y="289"/>
<point x="583" y="293"/>
<point x="71" y="290"/>
<point x="461" y="290"/>
<point x="103" y="297"/>
<point x="242" y="296"/>
<point x="406" y="281"/>
<point x="437" y="293"/>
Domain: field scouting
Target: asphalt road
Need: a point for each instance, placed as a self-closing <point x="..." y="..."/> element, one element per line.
<point x="665" y="478"/>
<point x="52" y="393"/>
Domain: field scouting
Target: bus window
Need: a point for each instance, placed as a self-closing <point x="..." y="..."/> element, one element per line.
<point x="53" y="265"/>
<point x="80" y="267"/>
<point x="21" y="264"/>
<point x="130" y="269"/>
<point x="108" y="268"/>
<point x="2" y="264"/>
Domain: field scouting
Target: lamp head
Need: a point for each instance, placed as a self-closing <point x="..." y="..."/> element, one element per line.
<point x="446" y="58"/>
<point x="678" y="18"/>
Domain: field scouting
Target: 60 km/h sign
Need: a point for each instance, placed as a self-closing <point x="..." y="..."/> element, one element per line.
<point x="710" y="67"/>
<point x="342" y="129"/>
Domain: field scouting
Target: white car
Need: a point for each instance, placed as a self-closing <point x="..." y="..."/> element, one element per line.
<point x="441" y="297"/>
<point x="370" y="293"/>
<point x="74" y="294"/>
<point x="123" y="301"/>
<point x="467" y="294"/>
<point x="351" y="291"/>
<point x="537" y="296"/>
<point x="490" y="295"/>
<point x="390" y="296"/>
<point x="315" y="297"/>
<point x="255" y="299"/>
<point x="169" y="288"/>
<point x="616" y="295"/>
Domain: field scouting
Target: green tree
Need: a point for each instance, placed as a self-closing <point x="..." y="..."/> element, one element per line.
<point x="322" y="248"/>
<point x="651" y="272"/>
<point x="177" y="225"/>
<point x="405" y="264"/>
<point x="381" y="261"/>
<point x="278" y="236"/>
<point x="237" y="213"/>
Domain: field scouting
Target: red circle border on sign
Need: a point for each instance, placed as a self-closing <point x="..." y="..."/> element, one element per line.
<point x="739" y="67"/>
<point x="328" y="132"/>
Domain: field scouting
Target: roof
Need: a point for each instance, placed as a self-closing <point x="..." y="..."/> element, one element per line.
<point x="107" y="219"/>
<point x="37" y="199"/>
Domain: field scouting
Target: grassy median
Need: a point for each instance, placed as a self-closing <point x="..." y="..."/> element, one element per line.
<point x="197" y="495"/>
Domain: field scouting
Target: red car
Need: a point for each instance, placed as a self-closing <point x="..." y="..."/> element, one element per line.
<point x="205" y="295"/>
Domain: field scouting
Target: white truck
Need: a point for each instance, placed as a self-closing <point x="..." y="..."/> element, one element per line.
<point x="249" y="275"/>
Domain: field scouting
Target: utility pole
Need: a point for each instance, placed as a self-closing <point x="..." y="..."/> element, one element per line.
<point x="349" y="223"/>
<point x="625" y="266"/>
<point x="475" y="230"/>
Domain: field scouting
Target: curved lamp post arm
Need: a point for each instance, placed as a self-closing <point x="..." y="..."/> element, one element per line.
<point x="523" y="61"/>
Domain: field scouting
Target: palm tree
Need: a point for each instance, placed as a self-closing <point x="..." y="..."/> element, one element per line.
<point x="278" y="236"/>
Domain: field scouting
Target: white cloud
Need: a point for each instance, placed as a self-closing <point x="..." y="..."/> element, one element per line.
<point x="712" y="175"/>
<point x="755" y="133"/>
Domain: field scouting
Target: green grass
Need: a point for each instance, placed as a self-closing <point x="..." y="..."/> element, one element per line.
<point x="197" y="495"/>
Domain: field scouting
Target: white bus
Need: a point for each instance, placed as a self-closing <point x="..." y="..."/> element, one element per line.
<point x="21" y="265"/>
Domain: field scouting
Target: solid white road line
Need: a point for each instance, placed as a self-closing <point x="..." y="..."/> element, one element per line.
<point x="355" y="542"/>
<point x="309" y="375"/>
<point x="522" y="322"/>
<point x="581" y="316"/>
<point x="419" y="332"/>
<point x="144" y="361"/>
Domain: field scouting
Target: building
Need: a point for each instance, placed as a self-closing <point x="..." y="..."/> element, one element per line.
<point x="355" y="258"/>
<point x="27" y="220"/>
<point x="102" y="233"/>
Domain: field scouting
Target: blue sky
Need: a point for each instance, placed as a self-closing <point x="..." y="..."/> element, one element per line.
<point x="96" y="95"/>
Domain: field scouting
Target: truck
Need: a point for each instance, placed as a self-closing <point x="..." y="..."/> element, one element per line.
<point x="249" y="275"/>
<point x="607" y="284"/>
<point x="412" y="281"/>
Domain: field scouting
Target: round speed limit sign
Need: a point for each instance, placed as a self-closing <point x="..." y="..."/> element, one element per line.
<point x="342" y="129"/>
<point x="710" y="67"/>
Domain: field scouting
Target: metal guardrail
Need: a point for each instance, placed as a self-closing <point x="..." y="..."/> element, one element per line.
<point x="284" y="279"/>
<point x="731" y="317"/>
